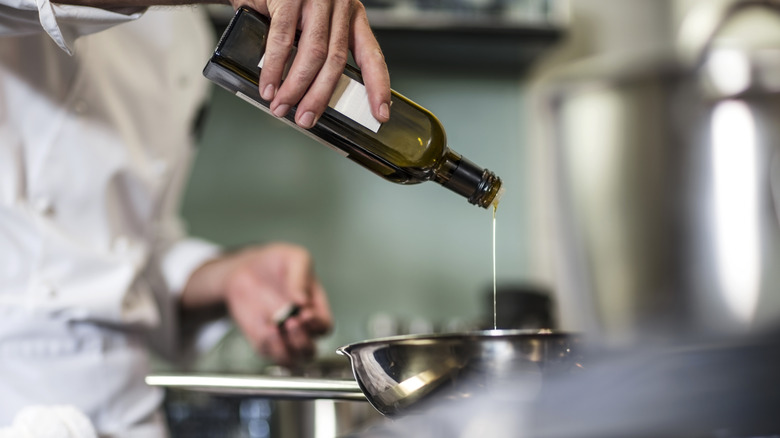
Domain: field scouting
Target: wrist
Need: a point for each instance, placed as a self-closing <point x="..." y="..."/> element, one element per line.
<point x="208" y="283"/>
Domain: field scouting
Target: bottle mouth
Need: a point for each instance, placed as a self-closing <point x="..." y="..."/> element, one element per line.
<point x="499" y="195"/>
<point x="480" y="186"/>
<point x="488" y="191"/>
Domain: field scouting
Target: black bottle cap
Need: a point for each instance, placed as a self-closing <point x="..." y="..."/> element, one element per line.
<point x="480" y="186"/>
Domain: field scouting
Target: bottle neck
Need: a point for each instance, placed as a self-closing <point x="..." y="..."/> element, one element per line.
<point x="480" y="186"/>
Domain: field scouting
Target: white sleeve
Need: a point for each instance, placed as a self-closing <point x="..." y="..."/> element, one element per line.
<point x="181" y="259"/>
<point x="175" y="258"/>
<point x="63" y="23"/>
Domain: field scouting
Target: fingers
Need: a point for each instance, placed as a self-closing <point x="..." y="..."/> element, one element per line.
<point x="247" y="304"/>
<point x="296" y="273"/>
<point x="278" y="302"/>
<point x="369" y="58"/>
<point x="286" y="342"/>
<point x="316" y="316"/>
<point x="336" y="51"/>
<point x="282" y="349"/>
<point x="328" y="30"/>
<point x="308" y="321"/>
<point x="281" y="37"/>
<point x="302" y="288"/>
<point x="291" y="340"/>
<point x="298" y="341"/>
<point x="313" y="54"/>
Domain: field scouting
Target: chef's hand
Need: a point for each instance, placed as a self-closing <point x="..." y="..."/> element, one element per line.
<point x="260" y="285"/>
<point x="329" y="30"/>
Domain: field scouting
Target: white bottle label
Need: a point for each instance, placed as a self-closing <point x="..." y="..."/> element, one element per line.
<point x="349" y="99"/>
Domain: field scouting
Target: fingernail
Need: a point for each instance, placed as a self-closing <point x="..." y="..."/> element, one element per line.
<point x="307" y="119"/>
<point x="281" y="110"/>
<point x="384" y="110"/>
<point x="268" y="92"/>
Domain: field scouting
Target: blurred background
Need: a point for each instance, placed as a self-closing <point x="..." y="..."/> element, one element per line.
<point x="418" y="259"/>
<point x="415" y="257"/>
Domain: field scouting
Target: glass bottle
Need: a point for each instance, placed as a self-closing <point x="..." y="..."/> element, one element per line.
<point x="410" y="148"/>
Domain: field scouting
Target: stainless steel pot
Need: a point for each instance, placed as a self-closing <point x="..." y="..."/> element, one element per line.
<point x="399" y="373"/>
<point x="667" y="173"/>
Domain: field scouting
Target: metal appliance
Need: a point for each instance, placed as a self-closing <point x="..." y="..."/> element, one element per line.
<point x="667" y="179"/>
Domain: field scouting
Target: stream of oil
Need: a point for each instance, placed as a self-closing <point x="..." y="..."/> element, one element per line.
<point x="495" y="314"/>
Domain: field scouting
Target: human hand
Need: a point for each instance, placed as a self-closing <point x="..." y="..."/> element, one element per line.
<point x="258" y="286"/>
<point x="268" y="280"/>
<point x="329" y="30"/>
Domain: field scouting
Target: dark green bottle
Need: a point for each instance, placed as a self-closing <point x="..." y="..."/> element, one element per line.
<point x="410" y="148"/>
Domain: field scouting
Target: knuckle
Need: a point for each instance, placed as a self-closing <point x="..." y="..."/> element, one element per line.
<point x="294" y="251"/>
<point x="357" y="7"/>
<point x="282" y="33"/>
<point x="302" y="255"/>
<point x="282" y="40"/>
<point x="338" y="58"/>
<point x="302" y="76"/>
<point x="319" y="53"/>
<point x="377" y="56"/>
<point x="319" y="33"/>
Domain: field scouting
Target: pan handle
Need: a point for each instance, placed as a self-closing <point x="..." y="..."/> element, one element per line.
<point x="265" y="386"/>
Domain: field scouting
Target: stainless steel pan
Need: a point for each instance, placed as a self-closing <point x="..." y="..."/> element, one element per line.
<point x="397" y="373"/>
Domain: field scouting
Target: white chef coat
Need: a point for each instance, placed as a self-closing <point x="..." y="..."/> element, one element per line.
<point x="96" y="111"/>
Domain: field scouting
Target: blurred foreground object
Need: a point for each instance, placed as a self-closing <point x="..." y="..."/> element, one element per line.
<point x="666" y="175"/>
<point x="49" y="422"/>
<point x="710" y="391"/>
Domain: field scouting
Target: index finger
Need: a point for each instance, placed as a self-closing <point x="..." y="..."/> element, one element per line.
<point x="298" y="277"/>
<point x="316" y="316"/>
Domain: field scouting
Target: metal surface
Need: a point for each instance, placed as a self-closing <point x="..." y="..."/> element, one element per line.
<point x="396" y="373"/>
<point x="664" y="183"/>
<point x="265" y="386"/>
<point x="705" y="391"/>
<point x="400" y="372"/>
